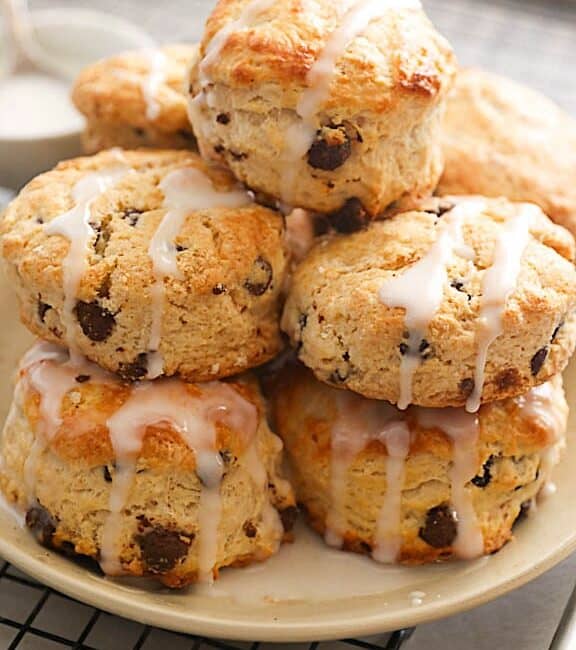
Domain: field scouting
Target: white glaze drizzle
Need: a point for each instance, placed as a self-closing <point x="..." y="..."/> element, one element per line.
<point x="358" y="422"/>
<point x="185" y="190"/>
<point x="152" y="82"/>
<point x="388" y="538"/>
<point x="300" y="136"/>
<point x="246" y="19"/>
<point x="462" y="428"/>
<point x="546" y="406"/>
<point x="420" y="289"/>
<point x="167" y="402"/>
<point x="75" y="226"/>
<point x="498" y="283"/>
<point x="50" y="372"/>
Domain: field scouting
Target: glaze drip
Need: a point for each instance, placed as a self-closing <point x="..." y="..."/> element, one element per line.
<point x="185" y="190"/>
<point x="153" y="81"/>
<point x="75" y="226"/>
<point x="420" y="289"/>
<point x="498" y="284"/>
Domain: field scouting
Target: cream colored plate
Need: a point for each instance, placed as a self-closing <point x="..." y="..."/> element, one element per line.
<point x="308" y="592"/>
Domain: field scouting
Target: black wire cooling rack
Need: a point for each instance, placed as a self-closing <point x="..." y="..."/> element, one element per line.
<point x="529" y="40"/>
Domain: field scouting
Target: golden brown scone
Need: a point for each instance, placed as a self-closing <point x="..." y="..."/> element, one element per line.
<point x="136" y="99"/>
<point x="503" y="139"/>
<point x="484" y="262"/>
<point x="449" y="503"/>
<point x="75" y="434"/>
<point x="349" y="140"/>
<point x="204" y="305"/>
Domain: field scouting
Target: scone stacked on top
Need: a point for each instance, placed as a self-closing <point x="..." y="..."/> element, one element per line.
<point x="147" y="267"/>
<point x="433" y="411"/>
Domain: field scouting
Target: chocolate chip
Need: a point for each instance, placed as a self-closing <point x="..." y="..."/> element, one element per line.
<point x="42" y="524"/>
<point x="40" y="221"/>
<point x="82" y="379"/>
<point x="288" y="517"/>
<point x="538" y="360"/>
<point x="424" y="348"/>
<point x="104" y="289"/>
<point x="162" y="548"/>
<point x="443" y="207"/>
<point x="440" y="528"/>
<point x="466" y="387"/>
<point x="302" y="321"/>
<point x="482" y="480"/>
<point x="96" y="322"/>
<point x="180" y="248"/>
<point x="107" y="475"/>
<point x="226" y="456"/>
<point x="249" y="529"/>
<point x="43" y="308"/>
<point x="238" y="155"/>
<point x="219" y="149"/>
<point x="131" y="215"/>
<point x="555" y="332"/>
<point x="260" y="278"/>
<point x="346" y="356"/>
<point x="134" y="370"/>
<point x="331" y="149"/>
<point x="223" y="118"/>
<point x="219" y="289"/>
<point x="403" y="347"/>
<point x="507" y="378"/>
<point x="337" y="377"/>
<point x="350" y="218"/>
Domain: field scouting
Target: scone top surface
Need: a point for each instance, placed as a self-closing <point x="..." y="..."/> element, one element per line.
<point x="136" y="97"/>
<point x="324" y="102"/>
<point x="277" y="49"/>
<point x="418" y="485"/>
<point x="169" y="257"/>
<point x="501" y="138"/>
<point x="403" y="310"/>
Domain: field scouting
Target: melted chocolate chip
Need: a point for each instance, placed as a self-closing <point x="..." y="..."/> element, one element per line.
<point x="466" y="387"/>
<point x="42" y="524"/>
<point x="260" y="278"/>
<point x="350" y="218"/>
<point x="538" y="360"/>
<point x="440" y="528"/>
<point x="162" y="549"/>
<point x="135" y="370"/>
<point x="507" y="378"/>
<point x="555" y="332"/>
<point x="43" y="308"/>
<point x="82" y="379"/>
<point x="223" y="118"/>
<point x="482" y="480"/>
<point x="107" y="475"/>
<point x="249" y="529"/>
<point x="96" y="322"/>
<point x="331" y="149"/>
<point x="131" y="215"/>
<point x="337" y="377"/>
<point x="288" y="517"/>
<point x="219" y="289"/>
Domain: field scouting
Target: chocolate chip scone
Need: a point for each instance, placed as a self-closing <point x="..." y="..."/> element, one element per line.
<point x="334" y="107"/>
<point x="461" y="301"/>
<point x="503" y="139"/>
<point x="136" y="99"/>
<point x="419" y="485"/>
<point x="163" y="479"/>
<point x="148" y="263"/>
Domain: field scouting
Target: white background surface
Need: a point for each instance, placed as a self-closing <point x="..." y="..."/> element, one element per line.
<point x="532" y="41"/>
